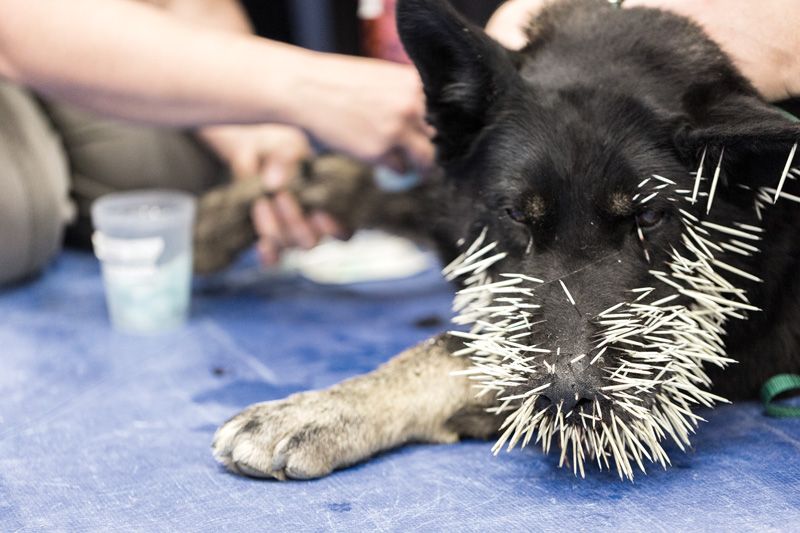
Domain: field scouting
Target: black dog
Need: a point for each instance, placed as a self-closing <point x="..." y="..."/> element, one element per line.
<point x="614" y="183"/>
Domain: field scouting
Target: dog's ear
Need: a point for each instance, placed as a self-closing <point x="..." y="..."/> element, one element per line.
<point x="742" y="122"/>
<point x="750" y="130"/>
<point x="463" y="70"/>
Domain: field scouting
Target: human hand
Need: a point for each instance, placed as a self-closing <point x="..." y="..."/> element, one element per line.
<point x="508" y="23"/>
<point x="760" y="37"/>
<point x="272" y="153"/>
<point x="371" y="109"/>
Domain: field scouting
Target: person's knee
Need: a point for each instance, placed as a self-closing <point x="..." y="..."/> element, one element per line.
<point x="109" y="156"/>
<point x="31" y="230"/>
<point x="34" y="205"/>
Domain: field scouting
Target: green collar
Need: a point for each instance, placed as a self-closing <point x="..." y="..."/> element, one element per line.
<point x="776" y="386"/>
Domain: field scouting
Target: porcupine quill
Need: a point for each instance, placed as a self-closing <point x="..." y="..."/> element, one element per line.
<point x="662" y="345"/>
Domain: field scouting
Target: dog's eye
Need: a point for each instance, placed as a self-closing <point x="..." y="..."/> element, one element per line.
<point x="517" y="215"/>
<point x="649" y="218"/>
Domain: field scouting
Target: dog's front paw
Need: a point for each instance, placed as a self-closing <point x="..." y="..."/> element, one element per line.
<point x="302" y="437"/>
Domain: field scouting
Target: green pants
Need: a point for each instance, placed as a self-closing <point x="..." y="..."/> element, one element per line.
<point x="56" y="160"/>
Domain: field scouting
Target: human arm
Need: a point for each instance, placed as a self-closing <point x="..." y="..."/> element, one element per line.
<point x="135" y="62"/>
<point x="139" y="62"/>
<point x="271" y="153"/>
<point x="761" y="37"/>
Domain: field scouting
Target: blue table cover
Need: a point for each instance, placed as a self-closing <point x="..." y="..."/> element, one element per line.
<point x="105" y="432"/>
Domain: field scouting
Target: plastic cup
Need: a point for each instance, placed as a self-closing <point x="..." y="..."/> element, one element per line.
<point x="144" y="242"/>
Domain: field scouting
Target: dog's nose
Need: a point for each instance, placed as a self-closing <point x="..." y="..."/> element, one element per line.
<point x="573" y="383"/>
<point x="567" y="397"/>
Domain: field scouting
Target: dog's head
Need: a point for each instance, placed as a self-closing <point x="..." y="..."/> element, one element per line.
<point x="614" y="268"/>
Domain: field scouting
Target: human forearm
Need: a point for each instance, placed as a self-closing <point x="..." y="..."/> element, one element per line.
<point x="132" y="61"/>
<point x="761" y="37"/>
<point x="135" y="62"/>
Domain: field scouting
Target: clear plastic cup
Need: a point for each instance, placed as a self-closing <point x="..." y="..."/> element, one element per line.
<point x="144" y="242"/>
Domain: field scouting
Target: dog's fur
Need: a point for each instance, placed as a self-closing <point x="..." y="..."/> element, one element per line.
<point x="545" y="148"/>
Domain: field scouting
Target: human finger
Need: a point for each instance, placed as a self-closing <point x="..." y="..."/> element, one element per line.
<point x="294" y="226"/>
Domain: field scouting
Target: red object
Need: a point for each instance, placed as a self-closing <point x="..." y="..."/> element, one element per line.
<point x="379" y="29"/>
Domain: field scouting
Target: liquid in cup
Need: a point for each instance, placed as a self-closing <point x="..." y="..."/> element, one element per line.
<point x="144" y="242"/>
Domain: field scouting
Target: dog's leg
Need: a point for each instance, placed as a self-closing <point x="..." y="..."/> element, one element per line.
<point x="413" y="397"/>
<point x="341" y="187"/>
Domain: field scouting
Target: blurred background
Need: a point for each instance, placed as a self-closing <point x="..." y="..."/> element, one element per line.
<point x="332" y="25"/>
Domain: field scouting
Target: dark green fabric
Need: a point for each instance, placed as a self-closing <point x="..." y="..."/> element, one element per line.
<point x="776" y="386"/>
